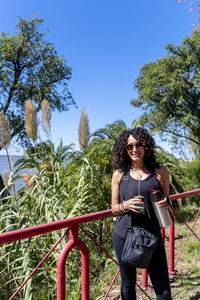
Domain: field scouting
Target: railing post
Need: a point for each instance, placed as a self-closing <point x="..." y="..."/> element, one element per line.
<point x="171" y="245"/>
<point x="61" y="275"/>
<point x="144" y="271"/>
<point x="162" y="230"/>
<point x="144" y="278"/>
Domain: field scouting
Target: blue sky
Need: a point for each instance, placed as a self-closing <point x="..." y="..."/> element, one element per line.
<point x="105" y="42"/>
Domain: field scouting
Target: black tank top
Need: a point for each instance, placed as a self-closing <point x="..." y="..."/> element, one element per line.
<point x="128" y="188"/>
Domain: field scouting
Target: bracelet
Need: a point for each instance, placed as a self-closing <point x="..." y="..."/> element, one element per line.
<point x="124" y="210"/>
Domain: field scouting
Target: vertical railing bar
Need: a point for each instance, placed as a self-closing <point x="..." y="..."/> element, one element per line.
<point x="108" y="291"/>
<point x="144" y="278"/>
<point x="74" y="241"/>
<point x="171" y="244"/>
<point x="186" y="224"/>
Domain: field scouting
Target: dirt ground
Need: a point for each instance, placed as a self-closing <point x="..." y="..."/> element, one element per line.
<point x="192" y="295"/>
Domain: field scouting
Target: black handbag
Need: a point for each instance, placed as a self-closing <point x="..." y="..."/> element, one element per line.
<point x="139" y="244"/>
<point x="139" y="247"/>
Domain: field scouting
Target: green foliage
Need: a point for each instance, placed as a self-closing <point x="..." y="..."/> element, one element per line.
<point x="174" y="169"/>
<point x="95" y="164"/>
<point x="169" y="92"/>
<point x="45" y="199"/>
<point x="30" y="68"/>
<point x="191" y="177"/>
<point x="61" y="184"/>
<point x="192" y="174"/>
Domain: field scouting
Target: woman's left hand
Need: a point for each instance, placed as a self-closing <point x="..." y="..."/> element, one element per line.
<point x="163" y="203"/>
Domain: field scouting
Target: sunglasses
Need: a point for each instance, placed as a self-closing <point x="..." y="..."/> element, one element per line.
<point x="131" y="146"/>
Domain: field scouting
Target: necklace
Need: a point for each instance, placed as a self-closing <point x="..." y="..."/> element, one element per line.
<point x="140" y="173"/>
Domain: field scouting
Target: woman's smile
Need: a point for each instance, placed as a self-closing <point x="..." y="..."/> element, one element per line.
<point x="135" y="148"/>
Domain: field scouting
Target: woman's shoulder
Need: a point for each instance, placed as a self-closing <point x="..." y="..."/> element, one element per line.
<point x="161" y="171"/>
<point x="163" y="176"/>
<point x="117" y="175"/>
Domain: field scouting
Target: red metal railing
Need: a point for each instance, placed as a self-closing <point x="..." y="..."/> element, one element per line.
<point x="74" y="241"/>
<point x="172" y="262"/>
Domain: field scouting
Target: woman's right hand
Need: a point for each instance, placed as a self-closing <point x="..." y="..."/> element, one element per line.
<point x="135" y="204"/>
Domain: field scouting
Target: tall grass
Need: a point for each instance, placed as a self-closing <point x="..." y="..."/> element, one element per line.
<point x="46" y="198"/>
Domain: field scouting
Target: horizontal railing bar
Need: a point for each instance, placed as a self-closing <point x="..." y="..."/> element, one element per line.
<point x="185" y="194"/>
<point x="20" y="234"/>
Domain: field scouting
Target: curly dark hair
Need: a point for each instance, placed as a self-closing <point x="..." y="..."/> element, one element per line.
<point x="122" y="161"/>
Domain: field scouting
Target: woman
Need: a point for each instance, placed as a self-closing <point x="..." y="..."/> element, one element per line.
<point x="135" y="162"/>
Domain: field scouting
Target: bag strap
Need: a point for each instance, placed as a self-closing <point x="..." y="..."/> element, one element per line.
<point x="169" y="202"/>
<point x="129" y="213"/>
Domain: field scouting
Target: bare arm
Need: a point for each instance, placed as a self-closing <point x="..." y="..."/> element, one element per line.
<point x="163" y="177"/>
<point x="115" y="203"/>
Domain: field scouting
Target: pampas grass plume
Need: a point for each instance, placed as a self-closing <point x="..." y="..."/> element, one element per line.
<point x="5" y="177"/>
<point x="5" y="135"/>
<point x="31" y="119"/>
<point x="83" y="132"/>
<point x="46" y="115"/>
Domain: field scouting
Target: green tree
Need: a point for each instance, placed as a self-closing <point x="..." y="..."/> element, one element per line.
<point x="30" y="68"/>
<point x="191" y="172"/>
<point x="169" y="92"/>
<point x="176" y="173"/>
